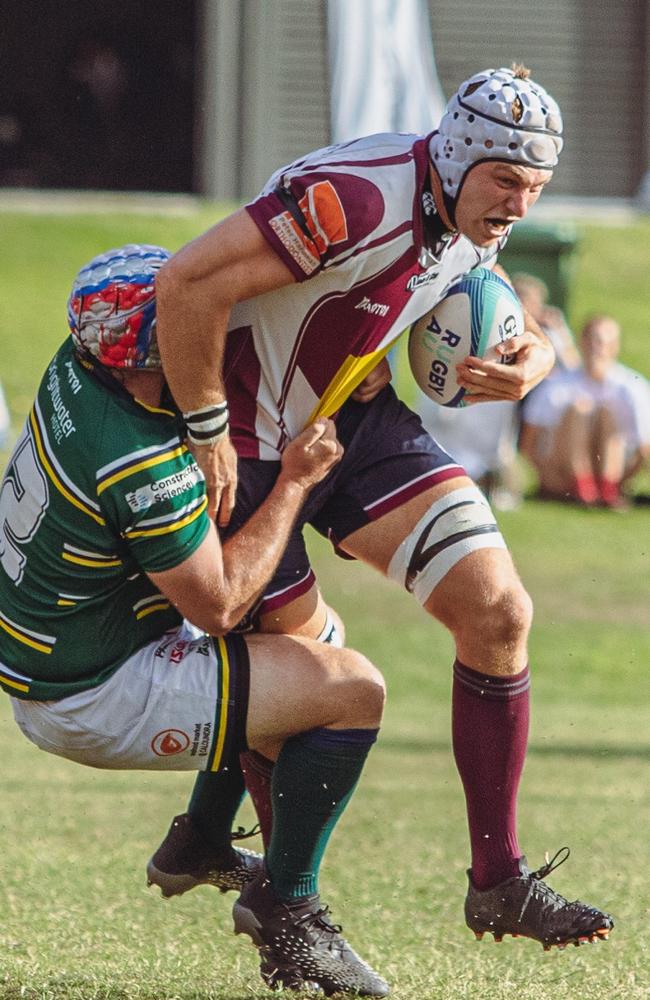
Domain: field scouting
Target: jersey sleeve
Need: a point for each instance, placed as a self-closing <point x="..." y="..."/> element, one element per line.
<point x="155" y="499"/>
<point x="312" y="219"/>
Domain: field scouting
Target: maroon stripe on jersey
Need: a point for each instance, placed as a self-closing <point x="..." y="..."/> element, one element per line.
<point x="394" y="234"/>
<point x="340" y="310"/>
<point x="386" y="161"/>
<point x="412" y="489"/>
<point x="282" y="597"/>
<point x="242" y="372"/>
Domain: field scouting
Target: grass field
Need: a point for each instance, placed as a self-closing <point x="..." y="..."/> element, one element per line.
<point x="76" y="920"/>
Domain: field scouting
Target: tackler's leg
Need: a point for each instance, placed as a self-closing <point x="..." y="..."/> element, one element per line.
<point x="310" y="617"/>
<point x="317" y="708"/>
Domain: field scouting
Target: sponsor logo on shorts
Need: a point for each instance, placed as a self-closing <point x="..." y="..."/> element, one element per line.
<point x="201" y="739"/>
<point x="163" y="489"/>
<point x="169" y="742"/>
<point x="175" y="649"/>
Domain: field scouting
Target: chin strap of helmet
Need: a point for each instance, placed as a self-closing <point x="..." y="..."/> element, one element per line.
<point x="444" y="205"/>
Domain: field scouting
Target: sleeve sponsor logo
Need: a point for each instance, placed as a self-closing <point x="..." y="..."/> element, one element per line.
<point x="163" y="489"/>
<point x="325" y="218"/>
<point x="292" y="238"/>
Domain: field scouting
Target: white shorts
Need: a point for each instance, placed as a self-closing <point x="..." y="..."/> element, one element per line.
<point x="178" y="704"/>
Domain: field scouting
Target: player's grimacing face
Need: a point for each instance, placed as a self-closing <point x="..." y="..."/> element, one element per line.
<point x="493" y="196"/>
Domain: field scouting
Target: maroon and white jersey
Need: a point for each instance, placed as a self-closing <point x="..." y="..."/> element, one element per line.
<point x="350" y="223"/>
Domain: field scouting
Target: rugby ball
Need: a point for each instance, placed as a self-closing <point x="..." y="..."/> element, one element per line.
<point x="476" y="314"/>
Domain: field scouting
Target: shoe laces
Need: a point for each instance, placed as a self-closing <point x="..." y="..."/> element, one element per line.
<point x="242" y="834"/>
<point x="318" y="920"/>
<point x="549" y="866"/>
<point x="542" y="890"/>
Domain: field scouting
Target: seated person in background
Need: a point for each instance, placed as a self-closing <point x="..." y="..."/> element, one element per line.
<point x="533" y="295"/>
<point x="483" y="440"/>
<point x="587" y="431"/>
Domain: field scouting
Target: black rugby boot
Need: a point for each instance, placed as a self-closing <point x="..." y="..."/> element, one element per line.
<point x="525" y="906"/>
<point x="184" y="860"/>
<point x="299" y="946"/>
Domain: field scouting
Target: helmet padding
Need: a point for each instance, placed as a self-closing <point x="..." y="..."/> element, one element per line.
<point x="112" y="307"/>
<point x="499" y="114"/>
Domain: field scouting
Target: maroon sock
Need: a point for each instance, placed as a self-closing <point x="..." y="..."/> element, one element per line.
<point x="257" y="775"/>
<point x="490" y="733"/>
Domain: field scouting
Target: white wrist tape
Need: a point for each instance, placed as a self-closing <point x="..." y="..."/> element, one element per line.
<point x="207" y="425"/>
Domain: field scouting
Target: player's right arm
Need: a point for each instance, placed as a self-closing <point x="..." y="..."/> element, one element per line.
<point x="217" y="585"/>
<point x="195" y="292"/>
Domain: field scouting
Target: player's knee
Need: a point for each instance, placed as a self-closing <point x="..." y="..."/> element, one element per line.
<point x="363" y="689"/>
<point x="504" y="612"/>
<point x="508" y="614"/>
<point x="496" y="606"/>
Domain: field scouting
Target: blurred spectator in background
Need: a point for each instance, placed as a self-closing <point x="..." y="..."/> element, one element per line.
<point x="587" y="430"/>
<point x="533" y="294"/>
<point x="483" y="439"/>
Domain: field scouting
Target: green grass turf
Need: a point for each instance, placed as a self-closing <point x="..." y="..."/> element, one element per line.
<point x="76" y="920"/>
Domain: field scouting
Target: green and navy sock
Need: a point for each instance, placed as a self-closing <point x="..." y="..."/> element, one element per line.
<point x="313" y="780"/>
<point x="216" y="797"/>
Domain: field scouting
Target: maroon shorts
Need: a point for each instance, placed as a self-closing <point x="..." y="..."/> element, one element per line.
<point x="389" y="458"/>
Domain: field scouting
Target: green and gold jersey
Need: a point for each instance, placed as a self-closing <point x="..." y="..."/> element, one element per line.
<point x="100" y="489"/>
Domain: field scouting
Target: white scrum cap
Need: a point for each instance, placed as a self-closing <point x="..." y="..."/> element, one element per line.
<point x="499" y="114"/>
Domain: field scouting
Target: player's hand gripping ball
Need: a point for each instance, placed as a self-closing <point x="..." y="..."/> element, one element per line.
<point x="477" y="313"/>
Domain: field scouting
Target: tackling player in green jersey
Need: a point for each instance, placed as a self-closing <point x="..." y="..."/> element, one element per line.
<point x="116" y="598"/>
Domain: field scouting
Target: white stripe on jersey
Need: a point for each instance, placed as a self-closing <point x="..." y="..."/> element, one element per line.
<point x="406" y="486"/>
<point x="90" y="555"/>
<point x="58" y="468"/>
<point x="176" y="515"/>
<point x="139" y="454"/>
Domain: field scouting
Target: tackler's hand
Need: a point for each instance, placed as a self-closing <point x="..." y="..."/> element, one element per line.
<point x="311" y="455"/>
<point x="373" y="383"/>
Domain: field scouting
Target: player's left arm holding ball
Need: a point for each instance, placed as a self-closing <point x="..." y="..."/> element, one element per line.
<point x="511" y="191"/>
<point x="533" y="357"/>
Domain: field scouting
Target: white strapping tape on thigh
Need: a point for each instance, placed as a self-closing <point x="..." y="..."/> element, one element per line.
<point x="459" y="523"/>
